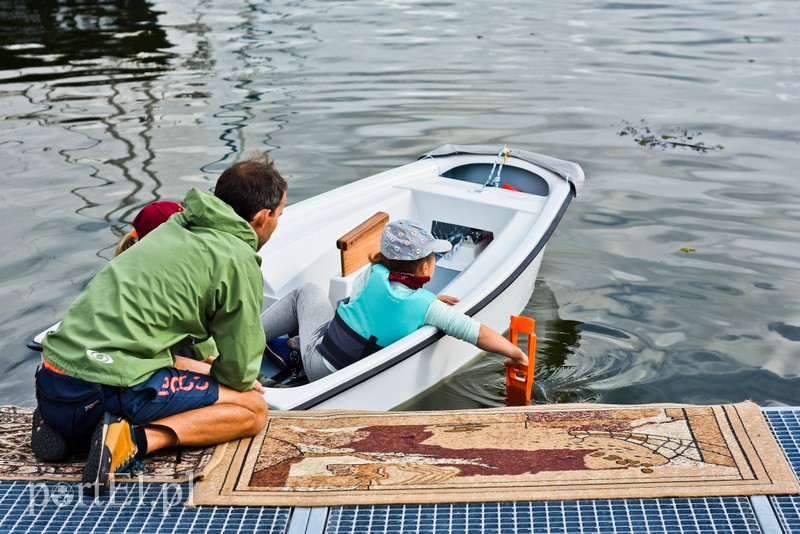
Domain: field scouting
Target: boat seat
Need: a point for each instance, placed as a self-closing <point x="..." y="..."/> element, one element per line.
<point x="341" y="286"/>
<point x="355" y="248"/>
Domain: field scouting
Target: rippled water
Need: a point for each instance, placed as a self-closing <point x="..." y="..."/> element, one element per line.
<point x="107" y="106"/>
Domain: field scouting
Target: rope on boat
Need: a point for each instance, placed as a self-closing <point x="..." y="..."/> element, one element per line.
<point x="494" y="181"/>
<point x="457" y="234"/>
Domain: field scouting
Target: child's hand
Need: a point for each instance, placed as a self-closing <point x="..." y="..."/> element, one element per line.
<point x="447" y="299"/>
<point x="520" y="359"/>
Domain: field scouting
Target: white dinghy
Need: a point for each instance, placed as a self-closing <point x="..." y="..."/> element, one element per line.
<point x="498" y="206"/>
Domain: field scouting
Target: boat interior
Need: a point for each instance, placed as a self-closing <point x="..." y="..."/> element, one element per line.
<point x="317" y="226"/>
<point x="462" y="215"/>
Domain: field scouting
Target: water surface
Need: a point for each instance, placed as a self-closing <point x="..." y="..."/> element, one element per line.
<point x="672" y="278"/>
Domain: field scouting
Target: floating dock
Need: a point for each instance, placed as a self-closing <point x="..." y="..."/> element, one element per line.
<point x="58" y="507"/>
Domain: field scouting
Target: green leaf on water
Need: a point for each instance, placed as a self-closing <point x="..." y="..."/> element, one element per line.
<point x="680" y="138"/>
<point x="687" y="250"/>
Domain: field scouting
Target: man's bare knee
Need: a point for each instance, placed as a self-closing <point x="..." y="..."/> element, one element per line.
<point x="253" y="402"/>
<point x="260" y="410"/>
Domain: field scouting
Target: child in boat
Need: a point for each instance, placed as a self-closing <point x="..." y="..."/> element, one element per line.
<point x="388" y="302"/>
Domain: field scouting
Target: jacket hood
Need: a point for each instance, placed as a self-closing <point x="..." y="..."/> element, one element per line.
<point x="207" y="211"/>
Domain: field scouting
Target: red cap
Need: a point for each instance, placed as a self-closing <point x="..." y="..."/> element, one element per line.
<point x="153" y="215"/>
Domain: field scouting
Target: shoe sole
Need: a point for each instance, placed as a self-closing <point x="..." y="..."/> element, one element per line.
<point x="47" y="444"/>
<point x="99" y="461"/>
<point x="276" y="360"/>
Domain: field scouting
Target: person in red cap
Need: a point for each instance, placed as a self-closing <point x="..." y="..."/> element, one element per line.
<point x="147" y="220"/>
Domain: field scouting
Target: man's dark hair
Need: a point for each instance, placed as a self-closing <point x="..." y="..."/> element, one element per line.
<point x="251" y="185"/>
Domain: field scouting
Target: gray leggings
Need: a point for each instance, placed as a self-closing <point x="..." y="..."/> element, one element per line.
<point x="305" y="310"/>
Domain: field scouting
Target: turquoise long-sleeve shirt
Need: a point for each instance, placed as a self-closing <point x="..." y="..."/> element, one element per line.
<point x="195" y="276"/>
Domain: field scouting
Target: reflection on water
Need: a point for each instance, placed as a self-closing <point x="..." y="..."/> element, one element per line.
<point x="80" y="43"/>
<point x="560" y="377"/>
<point x="672" y="277"/>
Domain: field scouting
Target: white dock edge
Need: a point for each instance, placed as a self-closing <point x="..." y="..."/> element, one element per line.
<point x="765" y="514"/>
<point x="305" y="520"/>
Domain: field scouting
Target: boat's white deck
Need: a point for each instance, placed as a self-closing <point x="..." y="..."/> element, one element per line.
<point x="308" y="252"/>
<point x="55" y="507"/>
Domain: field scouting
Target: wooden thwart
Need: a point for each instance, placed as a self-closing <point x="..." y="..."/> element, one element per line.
<point x="363" y="240"/>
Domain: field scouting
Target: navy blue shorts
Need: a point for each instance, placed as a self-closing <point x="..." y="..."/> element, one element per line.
<point x="168" y="392"/>
<point x="73" y="406"/>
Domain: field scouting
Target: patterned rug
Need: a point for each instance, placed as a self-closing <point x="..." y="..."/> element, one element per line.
<point x="17" y="461"/>
<point x="506" y="454"/>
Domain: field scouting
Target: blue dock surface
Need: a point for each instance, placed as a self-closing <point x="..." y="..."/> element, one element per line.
<point x="58" y="507"/>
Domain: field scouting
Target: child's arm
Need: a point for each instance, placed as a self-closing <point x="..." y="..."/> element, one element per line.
<point x="456" y="324"/>
<point x="491" y="341"/>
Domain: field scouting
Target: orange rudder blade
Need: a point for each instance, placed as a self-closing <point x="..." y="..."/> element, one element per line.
<point x="519" y="380"/>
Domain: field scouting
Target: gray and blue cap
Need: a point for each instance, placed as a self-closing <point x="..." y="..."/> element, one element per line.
<point x="407" y="241"/>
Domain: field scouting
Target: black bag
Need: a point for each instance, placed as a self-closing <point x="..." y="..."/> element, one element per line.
<point x="70" y="406"/>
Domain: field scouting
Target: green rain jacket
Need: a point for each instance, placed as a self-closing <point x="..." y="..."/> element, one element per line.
<point x="197" y="275"/>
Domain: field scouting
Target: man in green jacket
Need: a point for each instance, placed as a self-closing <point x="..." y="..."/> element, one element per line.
<point x="109" y="374"/>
